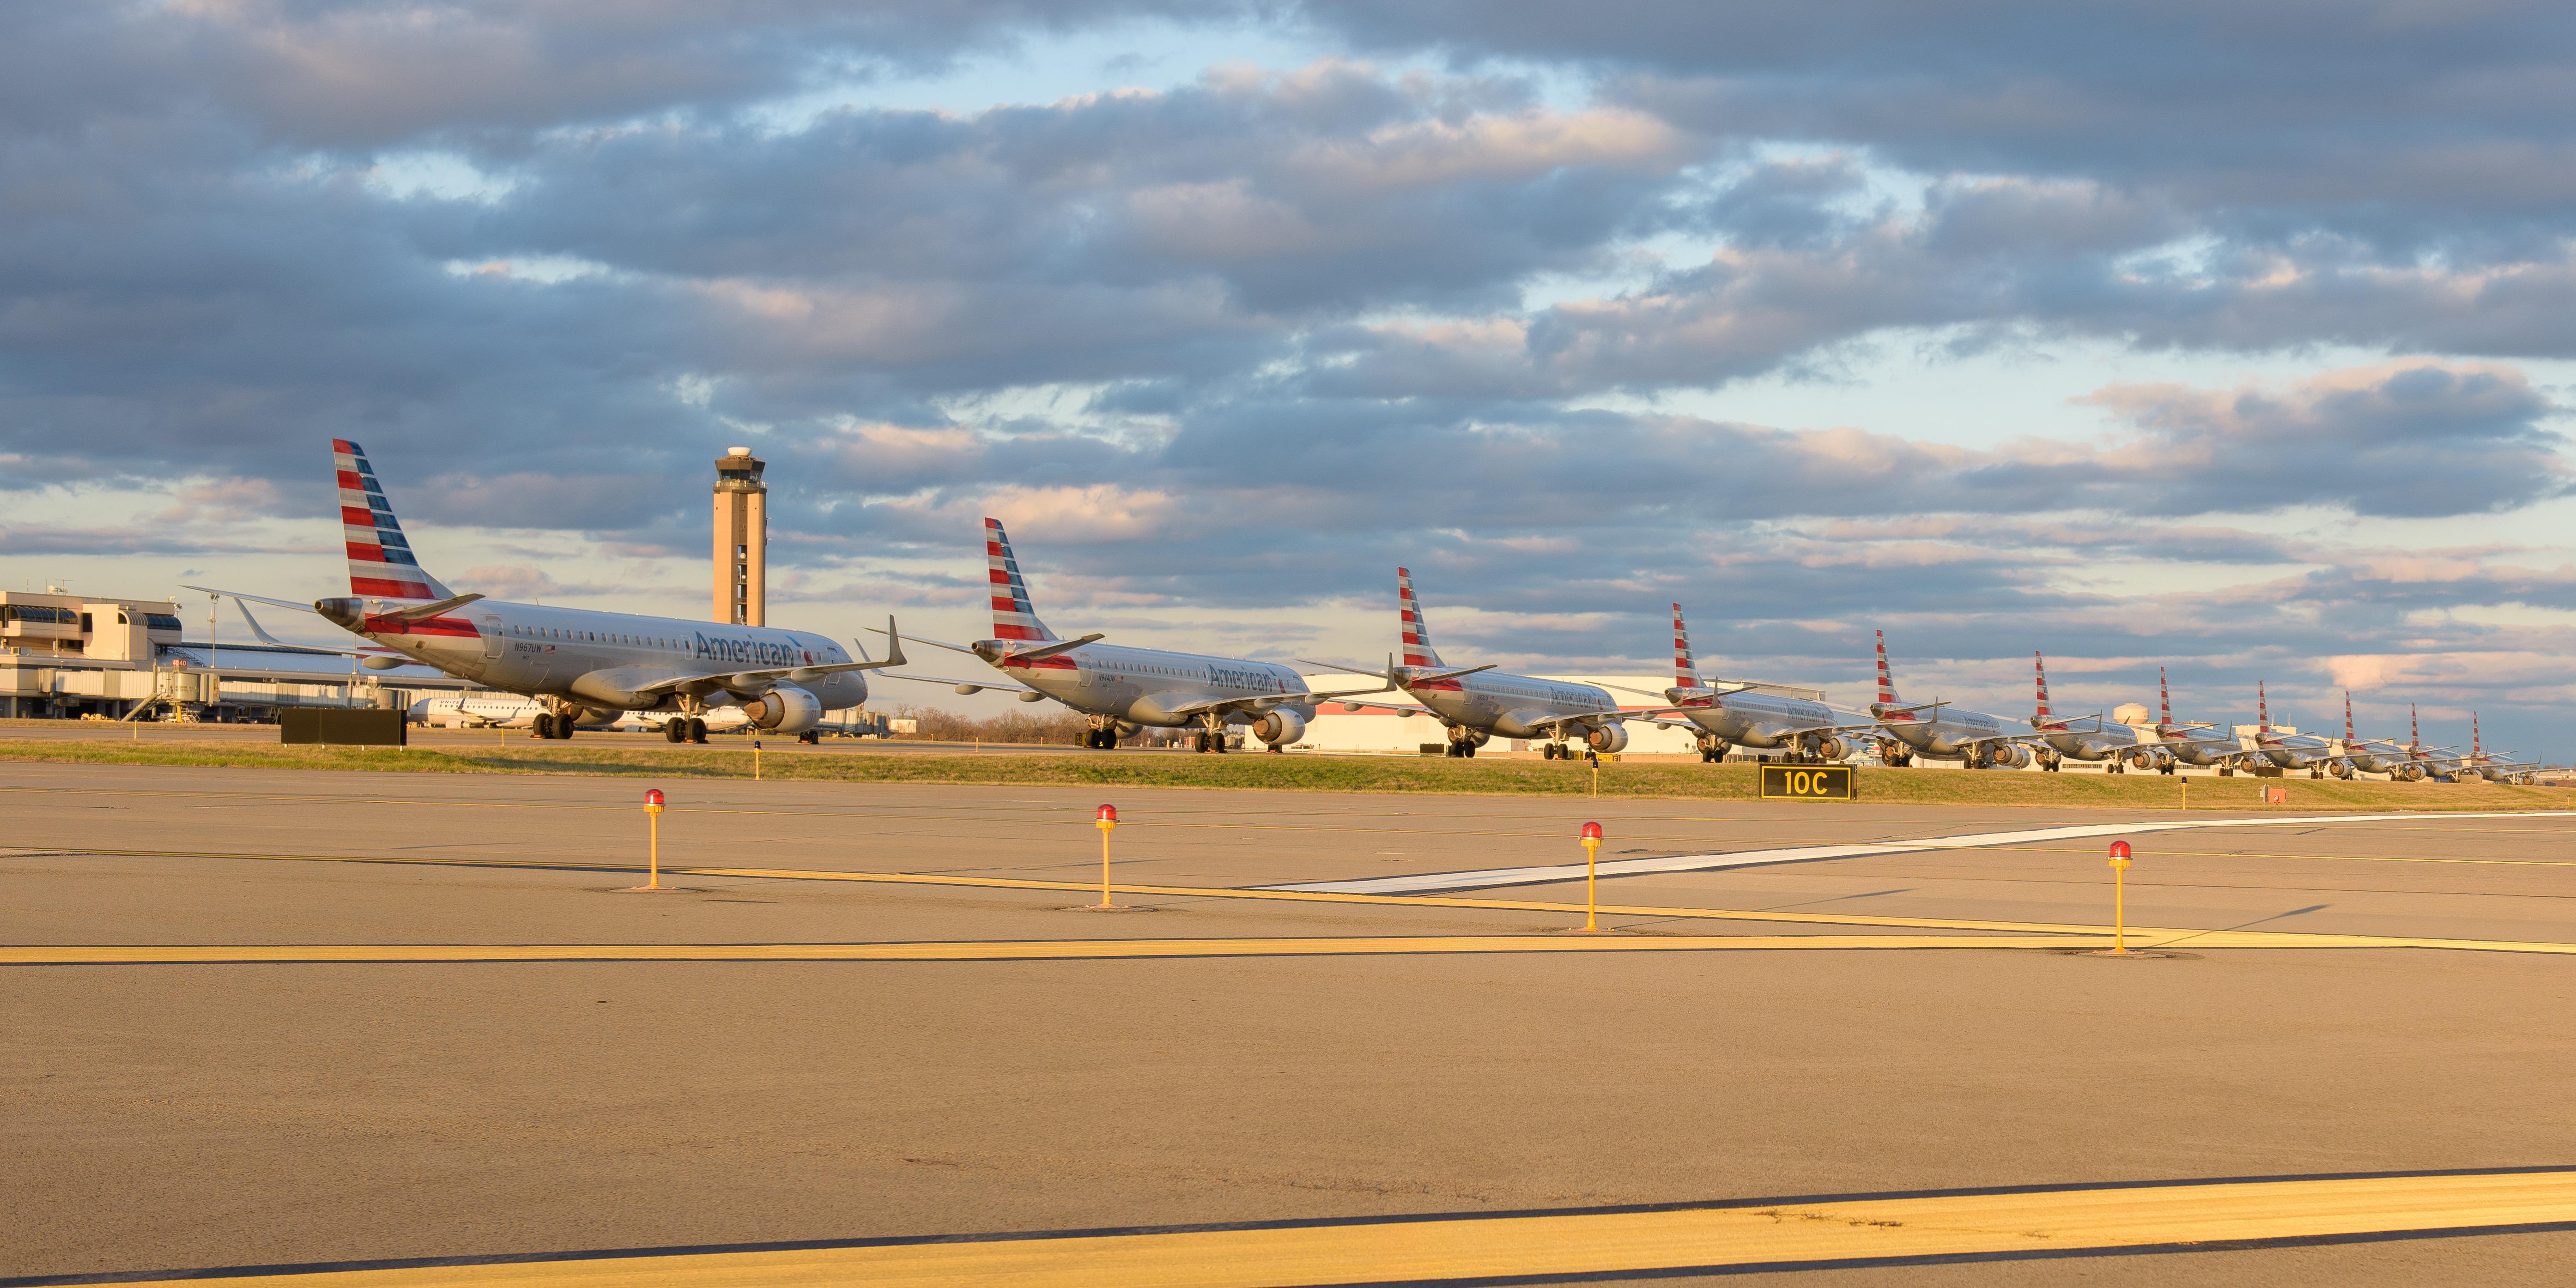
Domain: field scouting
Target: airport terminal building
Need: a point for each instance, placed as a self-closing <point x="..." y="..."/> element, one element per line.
<point x="65" y="656"/>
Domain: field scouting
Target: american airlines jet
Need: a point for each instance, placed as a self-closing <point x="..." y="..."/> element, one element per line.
<point x="1813" y="732"/>
<point x="1478" y="704"/>
<point x="2287" y="748"/>
<point x="2197" y="744"/>
<point x="2090" y="738"/>
<point x="585" y="666"/>
<point x="1124" y="689"/>
<point x="1936" y="729"/>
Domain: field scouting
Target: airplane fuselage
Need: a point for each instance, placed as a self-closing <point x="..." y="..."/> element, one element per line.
<point x="1752" y="718"/>
<point x="1145" y="686"/>
<point x="1511" y="706"/>
<point x="1947" y="733"/>
<point x="596" y="659"/>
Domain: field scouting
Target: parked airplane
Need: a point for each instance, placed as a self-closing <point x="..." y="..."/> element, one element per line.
<point x="1124" y="689"/>
<point x="1478" y="704"/>
<point x="2289" y="748"/>
<point x="581" y="664"/>
<point x="2495" y="768"/>
<point x="2196" y="744"/>
<point x="2368" y="755"/>
<point x="1935" y="729"/>
<point x="2127" y="741"/>
<point x="1748" y="715"/>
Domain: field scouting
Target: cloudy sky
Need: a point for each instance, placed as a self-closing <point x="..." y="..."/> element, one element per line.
<point x="2233" y="338"/>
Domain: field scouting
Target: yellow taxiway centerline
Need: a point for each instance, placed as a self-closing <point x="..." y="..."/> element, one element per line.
<point x="1096" y="949"/>
<point x="1786" y="1234"/>
<point x="2148" y="936"/>
<point x="995" y="950"/>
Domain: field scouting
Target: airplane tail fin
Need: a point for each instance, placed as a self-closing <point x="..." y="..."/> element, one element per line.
<point x="2164" y="700"/>
<point x="2414" y="739"/>
<point x="1013" y="619"/>
<point x="2262" y="709"/>
<point x="380" y="560"/>
<point x="2347" y="717"/>
<point x="2039" y="669"/>
<point x="2477" y="749"/>
<point x="1685" y="671"/>
<point x="1886" y="686"/>
<point x="1417" y="637"/>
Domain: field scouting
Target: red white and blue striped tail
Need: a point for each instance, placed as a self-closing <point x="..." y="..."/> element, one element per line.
<point x="2039" y="670"/>
<point x="380" y="560"/>
<point x="1408" y="612"/>
<point x="1013" y="619"/>
<point x="1886" y="685"/>
<point x="1685" y="671"/>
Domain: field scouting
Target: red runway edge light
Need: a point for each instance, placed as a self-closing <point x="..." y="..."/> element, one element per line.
<point x="2119" y="849"/>
<point x="1105" y="814"/>
<point x="1592" y="831"/>
<point x="653" y="798"/>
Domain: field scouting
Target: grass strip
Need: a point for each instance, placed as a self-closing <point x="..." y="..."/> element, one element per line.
<point x="1683" y="780"/>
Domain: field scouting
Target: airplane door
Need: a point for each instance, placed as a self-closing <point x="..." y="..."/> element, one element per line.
<point x="491" y="639"/>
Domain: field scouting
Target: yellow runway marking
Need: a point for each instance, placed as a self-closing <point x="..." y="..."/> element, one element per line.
<point x="1097" y="949"/>
<point x="1788" y="1234"/>
<point x="995" y="950"/>
<point x="2148" y="936"/>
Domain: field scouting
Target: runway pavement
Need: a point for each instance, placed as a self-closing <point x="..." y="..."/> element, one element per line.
<point x="347" y="1019"/>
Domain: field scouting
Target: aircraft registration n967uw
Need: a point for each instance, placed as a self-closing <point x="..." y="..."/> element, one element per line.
<point x="585" y="666"/>
<point x="1122" y="690"/>
<point x="1476" y="704"/>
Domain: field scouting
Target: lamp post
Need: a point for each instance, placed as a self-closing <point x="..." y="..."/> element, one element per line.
<point x="653" y="819"/>
<point x="1591" y="876"/>
<point x="2119" y="898"/>
<point x="1106" y="819"/>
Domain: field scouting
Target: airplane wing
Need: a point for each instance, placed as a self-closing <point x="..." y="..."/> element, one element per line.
<point x="1003" y="685"/>
<point x="918" y="639"/>
<point x="274" y="642"/>
<point x="1262" y="702"/>
<point x="1352" y="704"/>
<point x="743" y="680"/>
<point x="237" y="597"/>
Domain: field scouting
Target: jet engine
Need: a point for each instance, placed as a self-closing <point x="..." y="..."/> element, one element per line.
<point x="1031" y="695"/>
<point x="1826" y="747"/>
<point x="2147" y="759"/>
<point x="2010" y="755"/>
<point x="1279" y="728"/>
<point x="1609" y="740"/>
<point x="2340" y="769"/>
<point x="785" y="709"/>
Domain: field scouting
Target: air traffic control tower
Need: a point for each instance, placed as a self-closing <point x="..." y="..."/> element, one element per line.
<point x="742" y="539"/>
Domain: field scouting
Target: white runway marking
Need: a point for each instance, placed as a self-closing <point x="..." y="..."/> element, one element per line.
<point x="1484" y="878"/>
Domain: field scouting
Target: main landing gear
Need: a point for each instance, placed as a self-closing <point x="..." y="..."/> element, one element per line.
<point x="552" y="724"/>
<point x="685" y="729"/>
<point x="1556" y="751"/>
<point x="1711" y="750"/>
<point x="1102" y="735"/>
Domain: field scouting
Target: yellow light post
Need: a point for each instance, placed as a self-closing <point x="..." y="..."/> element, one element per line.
<point x="1106" y="819"/>
<point x="1591" y="876"/>
<point x="2119" y="898"/>
<point x="755" y="760"/>
<point x="653" y="820"/>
